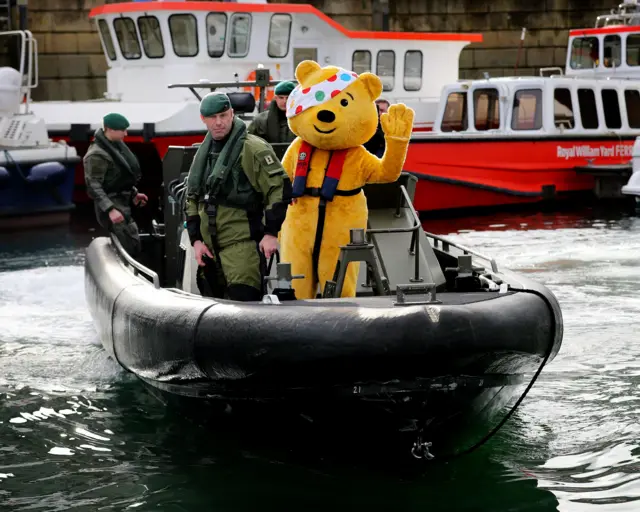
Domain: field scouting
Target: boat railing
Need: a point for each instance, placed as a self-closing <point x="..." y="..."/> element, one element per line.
<point x="28" y="63"/>
<point x="138" y="268"/>
<point x="414" y="246"/>
<point x="262" y="82"/>
<point x="605" y="20"/>
<point x="446" y="244"/>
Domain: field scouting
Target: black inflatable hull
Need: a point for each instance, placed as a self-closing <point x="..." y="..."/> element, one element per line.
<point x="357" y="364"/>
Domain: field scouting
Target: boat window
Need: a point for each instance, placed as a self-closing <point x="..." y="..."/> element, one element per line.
<point x="385" y="68"/>
<point x="279" y="35"/>
<point x="300" y="54"/>
<point x="588" y="109"/>
<point x="585" y="53"/>
<point x="563" y="109"/>
<point x="454" y="118"/>
<point x="633" y="50"/>
<point x="216" y="23"/>
<point x="361" y="61"/>
<point x="612" y="51"/>
<point x="486" y="109"/>
<point x="527" y="110"/>
<point x="184" y="34"/>
<point x="240" y="33"/>
<point x="611" y="108"/>
<point x="412" y="70"/>
<point x="151" y="36"/>
<point x="632" y="102"/>
<point x="127" y="38"/>
<point x="106" y="39"/>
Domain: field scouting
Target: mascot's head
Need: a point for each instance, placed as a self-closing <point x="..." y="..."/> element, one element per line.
<point x="333" y="108"/>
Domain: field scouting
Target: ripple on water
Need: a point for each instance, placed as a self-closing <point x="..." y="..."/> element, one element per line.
<point x="48" y="338"/>
<point x="576" y="432"/>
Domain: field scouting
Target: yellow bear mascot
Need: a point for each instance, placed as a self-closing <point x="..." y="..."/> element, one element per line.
<point x="332" y="111"/>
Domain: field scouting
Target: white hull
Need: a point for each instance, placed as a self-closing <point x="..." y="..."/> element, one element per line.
<point x="55" y="152"/>
<point x="168" y="118"/>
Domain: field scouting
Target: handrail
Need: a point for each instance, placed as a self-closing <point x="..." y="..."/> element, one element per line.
<point x="466" y="250"/>
<point x="415" y="241"/>
<point x="137" y="267"/>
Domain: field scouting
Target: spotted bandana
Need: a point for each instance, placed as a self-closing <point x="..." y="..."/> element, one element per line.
<point x="303" y="98"/>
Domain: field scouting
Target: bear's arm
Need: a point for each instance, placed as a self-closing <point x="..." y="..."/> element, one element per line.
<point x="388" y="168"/>
<point x="290" y="158"/>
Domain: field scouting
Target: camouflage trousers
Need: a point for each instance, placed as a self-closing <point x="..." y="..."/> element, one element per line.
<point x="126" y="231"/>
<point x="236" y="273"/>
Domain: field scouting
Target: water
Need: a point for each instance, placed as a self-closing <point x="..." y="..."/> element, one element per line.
<point x="78" y="433"/>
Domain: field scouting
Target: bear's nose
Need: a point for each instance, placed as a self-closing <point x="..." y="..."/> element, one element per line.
<point x="326" y="116"/>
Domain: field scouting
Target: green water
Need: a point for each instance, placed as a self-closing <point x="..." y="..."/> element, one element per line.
<point x="78" y="433"/>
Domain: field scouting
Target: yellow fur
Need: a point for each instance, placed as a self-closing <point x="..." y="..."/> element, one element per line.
<point x="355" y="123"/>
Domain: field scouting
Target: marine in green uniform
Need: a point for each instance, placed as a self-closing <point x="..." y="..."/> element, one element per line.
<point x="111" y="172"/>
<point x="272" y="124"/>
<point x="236" y="202"/>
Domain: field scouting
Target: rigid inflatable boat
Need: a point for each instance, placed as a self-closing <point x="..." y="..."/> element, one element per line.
<point x="439" y="340"/>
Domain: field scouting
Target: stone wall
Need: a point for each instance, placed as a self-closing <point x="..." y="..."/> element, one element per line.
<point x="72" y="65"/>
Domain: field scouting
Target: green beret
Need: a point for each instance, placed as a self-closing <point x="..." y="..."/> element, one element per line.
<point x="284" y="88"/>
<point x="115" y="121"/>
<point x="214" y="103"/>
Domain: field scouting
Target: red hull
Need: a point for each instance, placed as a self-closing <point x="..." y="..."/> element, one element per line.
<point x="501" y="171"/>
<point x="461" y="174"/>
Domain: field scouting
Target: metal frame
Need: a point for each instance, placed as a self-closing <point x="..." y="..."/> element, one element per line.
<point x="448" y="243"/>
<point x="29" y="60"/>
<point x="414" y="244"/>
<point x="138" y="268"/>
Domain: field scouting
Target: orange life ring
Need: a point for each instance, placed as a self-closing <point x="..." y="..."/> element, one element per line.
<point x="269" y="92"/>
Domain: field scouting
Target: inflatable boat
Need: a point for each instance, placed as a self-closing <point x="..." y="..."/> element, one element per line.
<point x="440" y="343"/>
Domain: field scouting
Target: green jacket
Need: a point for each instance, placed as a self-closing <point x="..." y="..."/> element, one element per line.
<point x="251" y="202"/>
<point x="110" y="185"/>
<point x="272" y="125"/>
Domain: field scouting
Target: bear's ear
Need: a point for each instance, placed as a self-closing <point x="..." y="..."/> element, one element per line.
<point x="372" y="83"/>
<point x="306" y="68"/>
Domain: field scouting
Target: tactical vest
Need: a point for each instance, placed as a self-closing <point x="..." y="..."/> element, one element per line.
<point x="115" y="180"/>
<point x="230" y="187"/>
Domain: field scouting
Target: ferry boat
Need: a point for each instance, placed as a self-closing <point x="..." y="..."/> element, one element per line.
<point x="516" y="140"/>
<point x="36" y="174"/>
<point x="149" y="45"/>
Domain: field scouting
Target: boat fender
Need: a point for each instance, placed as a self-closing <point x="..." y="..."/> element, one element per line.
<point x="5" y="178"/>
<point x="47" y="173"/>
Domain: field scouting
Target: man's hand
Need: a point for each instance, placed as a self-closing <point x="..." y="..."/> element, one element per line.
<point x="140" y="199"/>
<point x="268" y="245"/>
<point x="116" y="216"/>
<point x="201" y="250"/>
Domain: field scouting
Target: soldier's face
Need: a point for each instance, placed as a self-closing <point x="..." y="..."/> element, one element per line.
<point x="281" y="101"/>
<point x="384" y="107"/>
<point x="115" y="135"/>
<point x="219" y="125"/>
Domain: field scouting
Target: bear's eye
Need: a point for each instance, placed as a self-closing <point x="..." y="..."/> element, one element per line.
<point x="344" y="102"/>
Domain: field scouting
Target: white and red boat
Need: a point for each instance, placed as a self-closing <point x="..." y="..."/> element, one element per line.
<point x="479" y="143"/>
<point x="516" y="140"/>
<point x="150" y="45"/>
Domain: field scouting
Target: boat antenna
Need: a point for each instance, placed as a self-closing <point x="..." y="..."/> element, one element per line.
<point x="524" y="31"/>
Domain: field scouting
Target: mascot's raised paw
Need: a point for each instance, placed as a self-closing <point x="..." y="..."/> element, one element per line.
<point x="398" y="122"/>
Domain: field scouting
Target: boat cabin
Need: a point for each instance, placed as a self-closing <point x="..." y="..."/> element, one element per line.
<point x="536" y="106"/>
<point x="149" y="45"/>
<point x="612" y="48"/>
